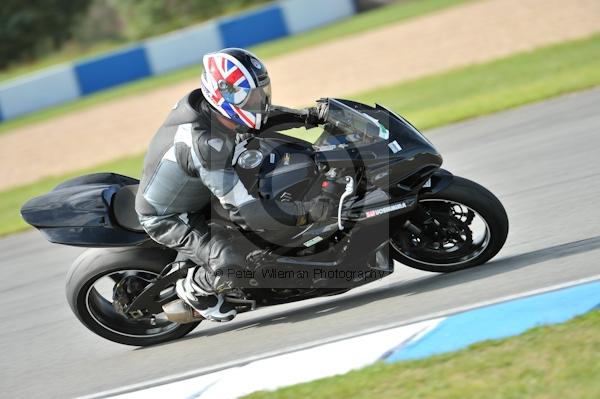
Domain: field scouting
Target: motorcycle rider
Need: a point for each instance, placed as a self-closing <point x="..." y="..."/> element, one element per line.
<point x="191" y="159"/>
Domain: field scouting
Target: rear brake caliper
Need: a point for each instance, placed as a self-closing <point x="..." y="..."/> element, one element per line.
<point x="125" y="291"/>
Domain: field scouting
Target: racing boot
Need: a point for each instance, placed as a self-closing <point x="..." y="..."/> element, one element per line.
<point x="198" y="294"/>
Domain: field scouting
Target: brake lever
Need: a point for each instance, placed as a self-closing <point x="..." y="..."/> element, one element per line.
<point x="347" y="192"/>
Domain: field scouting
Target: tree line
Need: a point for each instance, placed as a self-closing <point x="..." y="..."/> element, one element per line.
<point x="31" y="29"/>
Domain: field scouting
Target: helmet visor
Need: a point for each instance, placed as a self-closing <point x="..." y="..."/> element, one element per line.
<point x="257" y="100"/>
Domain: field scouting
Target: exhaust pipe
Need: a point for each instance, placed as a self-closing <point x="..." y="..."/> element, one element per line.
<point x="180" y="312"/>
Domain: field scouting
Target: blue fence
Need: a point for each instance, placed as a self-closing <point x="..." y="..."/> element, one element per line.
<point x="253" y="28"/>
<point x="165" y="53"/>
<point x="112" y="70"/>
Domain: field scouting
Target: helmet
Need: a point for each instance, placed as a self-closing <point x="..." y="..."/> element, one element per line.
<point x="236" y="83"/>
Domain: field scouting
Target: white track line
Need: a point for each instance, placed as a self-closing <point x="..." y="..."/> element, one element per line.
<point x="235" y="363"/>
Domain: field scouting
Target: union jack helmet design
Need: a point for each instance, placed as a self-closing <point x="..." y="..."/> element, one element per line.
<point x="236" y="83"/>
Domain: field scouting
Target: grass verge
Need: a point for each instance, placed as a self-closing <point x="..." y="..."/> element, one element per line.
<point x="505" y="83"/>
<point x="362" y="22"/>
<point x="559" y="361"/>
<point x="428" y="102"/>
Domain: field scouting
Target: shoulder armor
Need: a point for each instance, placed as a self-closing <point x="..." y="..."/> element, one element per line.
<point x="215" y="150"/>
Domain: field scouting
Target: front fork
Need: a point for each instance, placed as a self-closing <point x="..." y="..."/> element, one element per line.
<point x="418" y="217"/>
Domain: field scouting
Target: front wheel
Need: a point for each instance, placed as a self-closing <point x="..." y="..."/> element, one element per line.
<point x="464" y="225"/>
<point x="91" y="284"/>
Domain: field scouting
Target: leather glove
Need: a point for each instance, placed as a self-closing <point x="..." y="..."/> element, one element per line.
<point x="316" y="115"/>
<point x="320" y="209"/>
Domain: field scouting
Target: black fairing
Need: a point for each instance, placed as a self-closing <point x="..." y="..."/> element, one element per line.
<point x="290" y="168"/>
<point x="292" y="172"/>
<point x="411" y="166"/>
<point x="287" y="172"/>
<point x="78" y="212"/>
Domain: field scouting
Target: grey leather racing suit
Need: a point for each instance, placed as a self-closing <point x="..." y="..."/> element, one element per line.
<point x="189" y="160"/>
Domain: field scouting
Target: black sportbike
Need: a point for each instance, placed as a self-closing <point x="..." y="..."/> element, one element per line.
<point x="395" y="203"/>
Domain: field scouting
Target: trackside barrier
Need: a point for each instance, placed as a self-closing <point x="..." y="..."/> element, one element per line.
<point x="44" y="89"/>
<point x="162" y="54"/>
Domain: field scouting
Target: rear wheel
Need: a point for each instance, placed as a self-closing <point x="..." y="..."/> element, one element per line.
<point x="462" y="226"/>
<point x="95" y="278"/>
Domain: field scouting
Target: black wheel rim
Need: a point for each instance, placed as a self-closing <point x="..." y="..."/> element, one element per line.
<point x="455" y="235"/>
<point x="100" y="307"/>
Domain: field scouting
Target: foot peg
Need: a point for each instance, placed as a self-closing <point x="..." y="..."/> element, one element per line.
<point x="209" y="305"/>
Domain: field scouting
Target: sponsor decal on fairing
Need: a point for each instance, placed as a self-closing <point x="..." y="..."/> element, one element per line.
<point x="386" y="209"/>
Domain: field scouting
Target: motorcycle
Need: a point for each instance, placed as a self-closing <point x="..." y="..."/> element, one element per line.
<point x="394" y="203"/>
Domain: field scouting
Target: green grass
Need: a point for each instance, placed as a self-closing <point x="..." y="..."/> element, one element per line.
<point x="360" y="23"/>
<point x="481" y="89"/>
<point x="428" y="102"/>
<point x="560" y="361"/>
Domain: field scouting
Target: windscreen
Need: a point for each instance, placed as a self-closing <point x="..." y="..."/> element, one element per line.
<point x="353" y="123"/>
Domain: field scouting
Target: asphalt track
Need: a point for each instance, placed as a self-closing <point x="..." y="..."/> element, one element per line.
<point x="542" y="161"/>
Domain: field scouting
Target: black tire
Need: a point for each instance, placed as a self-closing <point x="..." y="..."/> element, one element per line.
<point x="482" y="201"/>
<point x="94" y="264"/>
